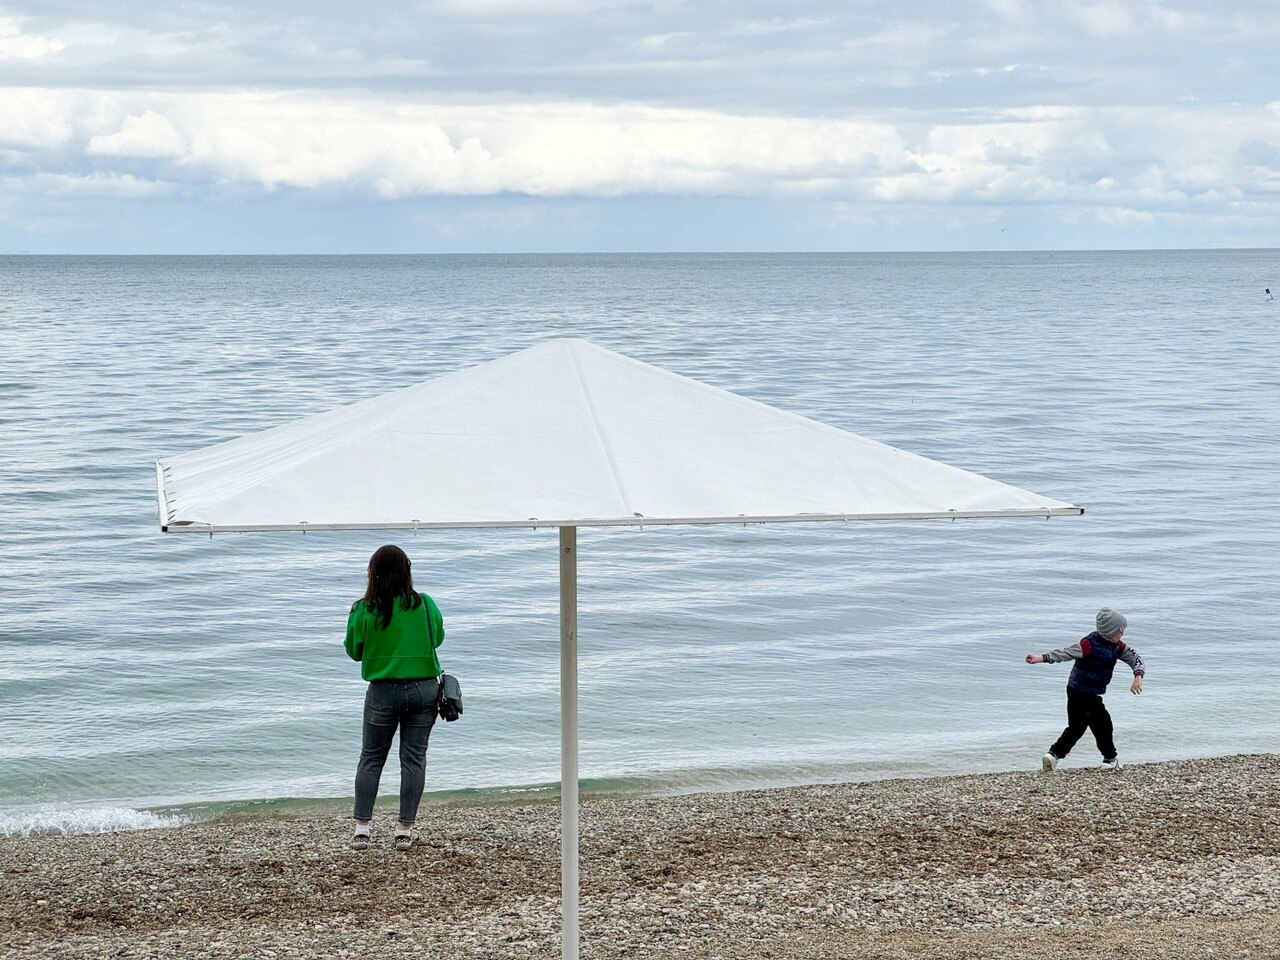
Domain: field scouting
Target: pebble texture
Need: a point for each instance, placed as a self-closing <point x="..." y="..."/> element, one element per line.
<point x="1172" y="860"/>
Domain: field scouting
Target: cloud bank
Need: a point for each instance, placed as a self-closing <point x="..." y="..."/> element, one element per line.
<point x="391" y="149"/>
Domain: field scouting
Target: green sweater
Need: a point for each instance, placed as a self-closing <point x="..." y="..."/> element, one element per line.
<point x="406" y="650"/>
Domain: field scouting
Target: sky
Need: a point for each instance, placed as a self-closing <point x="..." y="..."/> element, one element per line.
<point x="426" y="126"/>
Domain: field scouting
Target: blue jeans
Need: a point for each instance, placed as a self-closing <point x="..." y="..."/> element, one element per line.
<point x="409" y="705"/>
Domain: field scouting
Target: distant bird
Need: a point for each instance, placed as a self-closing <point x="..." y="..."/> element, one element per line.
<point x="1268" y="293"/>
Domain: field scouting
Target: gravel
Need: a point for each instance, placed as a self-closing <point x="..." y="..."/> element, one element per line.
<point x="1169" y="860"/>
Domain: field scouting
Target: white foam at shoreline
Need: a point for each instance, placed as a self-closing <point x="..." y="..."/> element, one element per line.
<point x="69" y="820"/>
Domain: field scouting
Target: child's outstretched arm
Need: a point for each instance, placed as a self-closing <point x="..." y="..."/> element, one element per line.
<point x="1073" y="652"/>
<point x="1134" y="660"/>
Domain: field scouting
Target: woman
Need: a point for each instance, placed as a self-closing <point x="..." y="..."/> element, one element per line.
<point x="394" y="631"/>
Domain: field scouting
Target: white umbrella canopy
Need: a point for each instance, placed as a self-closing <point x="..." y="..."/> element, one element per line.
<point x="564" y="434"/>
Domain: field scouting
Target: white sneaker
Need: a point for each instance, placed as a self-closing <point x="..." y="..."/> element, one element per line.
<point x="1112" y="764"/>
<point x="1048" y="763"/>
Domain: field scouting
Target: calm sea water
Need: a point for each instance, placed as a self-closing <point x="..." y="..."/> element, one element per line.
<point x="138" y="669"/>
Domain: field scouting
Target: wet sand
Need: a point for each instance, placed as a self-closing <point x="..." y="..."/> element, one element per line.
<point x="1171" y="860"/>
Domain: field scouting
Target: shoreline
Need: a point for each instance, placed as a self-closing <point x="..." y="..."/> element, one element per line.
<point x="1171" y="859"/>
<point x="18" y="821"/>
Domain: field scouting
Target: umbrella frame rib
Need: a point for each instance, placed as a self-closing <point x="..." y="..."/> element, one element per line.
<point x="189" y="526"/>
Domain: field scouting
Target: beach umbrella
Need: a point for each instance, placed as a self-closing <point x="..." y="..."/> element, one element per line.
<point x="565" y="434"/>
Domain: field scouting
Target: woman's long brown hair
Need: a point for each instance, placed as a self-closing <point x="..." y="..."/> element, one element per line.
<point x="390" y="579"/>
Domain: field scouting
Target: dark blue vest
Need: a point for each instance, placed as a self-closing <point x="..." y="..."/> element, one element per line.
<point x="1093" y="672"/>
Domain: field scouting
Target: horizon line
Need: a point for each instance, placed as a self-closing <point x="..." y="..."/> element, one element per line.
<point x="658" y="253"/>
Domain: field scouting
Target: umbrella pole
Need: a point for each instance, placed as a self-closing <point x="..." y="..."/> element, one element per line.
<point x="569" y="742"/>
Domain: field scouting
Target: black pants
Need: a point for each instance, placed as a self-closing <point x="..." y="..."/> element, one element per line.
<point x="1085" y="710"/>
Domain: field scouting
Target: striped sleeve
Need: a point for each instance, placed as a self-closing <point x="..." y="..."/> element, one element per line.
<point x="1075" y="651"/>
<point x="1133" y="659"/>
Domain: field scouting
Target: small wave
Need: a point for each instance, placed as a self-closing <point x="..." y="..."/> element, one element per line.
<point x="67" y="820"/>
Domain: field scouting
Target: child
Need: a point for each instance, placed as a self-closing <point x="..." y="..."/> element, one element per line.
<point x="1095" y="658"/>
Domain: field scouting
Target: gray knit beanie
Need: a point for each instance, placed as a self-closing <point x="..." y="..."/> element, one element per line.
<point x="1110" y="623"/>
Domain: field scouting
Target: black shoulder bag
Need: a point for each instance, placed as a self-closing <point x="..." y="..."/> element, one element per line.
<point x="449" y="702"/>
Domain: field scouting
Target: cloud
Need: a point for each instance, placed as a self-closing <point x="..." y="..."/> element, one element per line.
<point x="1114" y="158"/>
<point x="662" y="41"/>
<point x="739" y="57"/>
<point x="1120" y="107"/>
<point x="39" y="121"/>
<point x="403" y="148"/>
<point x="112" y="185"/>
<point x="1120" y="18"/>
<point x="25" y="46"/>
<point x="1260" y="153"/>
<point x="771" y="25"/>
<point x="145" y="135"/>
<point x="1123" y="217"/>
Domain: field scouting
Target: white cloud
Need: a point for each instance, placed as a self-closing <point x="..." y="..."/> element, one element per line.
<point x="37" y="119"/>
<point x="144" y="135"/>
<point x="1123" y="217"/>
<point x="662" y="41"/>
<point x="543" y="8"/>
<point x="400" y="148"/>
<point x="1106" y="19"/>
<point x="1114" y="167"/>
<point x="25" y="46"/>
<point x="906" y="37"/>
<point x="119" y="186"/>
<point x="771" y="25"/>
<point x="1119" y="18"/>
<point x="1007" y="9"/>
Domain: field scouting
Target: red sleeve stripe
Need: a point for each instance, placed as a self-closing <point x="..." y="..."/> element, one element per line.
<point x="1085" y="647"/>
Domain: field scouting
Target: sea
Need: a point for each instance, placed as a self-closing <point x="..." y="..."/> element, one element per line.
<point x="148" y="679"/>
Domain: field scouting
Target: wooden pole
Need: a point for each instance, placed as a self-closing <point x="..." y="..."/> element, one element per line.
<point x="569" y="742"/>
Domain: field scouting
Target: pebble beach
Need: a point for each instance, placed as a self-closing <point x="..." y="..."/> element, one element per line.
<point x="1178" y="859"/>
